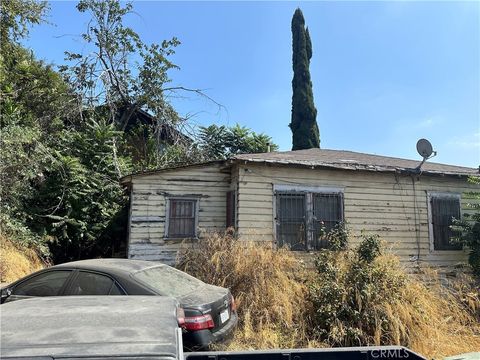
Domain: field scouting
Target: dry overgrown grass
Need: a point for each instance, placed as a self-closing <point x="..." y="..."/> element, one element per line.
<point x="443" y="319"/>
<point x="269" y="289"/>
<point x="16" y="261"/>
<point x="272" y="286"/>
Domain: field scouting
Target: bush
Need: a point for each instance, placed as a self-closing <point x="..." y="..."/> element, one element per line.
<point x="268" y="285"/>
<point x="337" y="237"/>
<point x="356" y="296"/>
<point x="467" y="230"/>
<point x="348" y="287"/>
<point x="362" y="296"/>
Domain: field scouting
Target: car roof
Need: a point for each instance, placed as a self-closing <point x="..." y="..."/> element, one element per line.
<point x="70" y="326"/>
<point x="112" y="265"/>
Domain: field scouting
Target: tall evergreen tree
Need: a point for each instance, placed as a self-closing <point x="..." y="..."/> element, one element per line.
<point x="304" y="126"/>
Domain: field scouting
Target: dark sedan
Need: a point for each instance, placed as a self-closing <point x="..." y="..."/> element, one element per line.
<point x="210" y="313"/>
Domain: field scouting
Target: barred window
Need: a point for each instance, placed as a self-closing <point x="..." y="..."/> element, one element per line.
<point x="182" y="218"/>
<point x="303" y="216"/>
<point x="327" y="213"/>
<point x="444" y="208"/>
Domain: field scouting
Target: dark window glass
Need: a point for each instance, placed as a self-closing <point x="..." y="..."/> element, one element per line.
<point x="327" y="212"/>
<point x="300" y="218"/>
<point x="291" y="220"/>
<point x="444" y="209"/>
<point x="46" y="284"/>
<point x="87" y="283"/>
<point x="181" y="218"/>
<point x="231" y="205"/>
<point x="116" y="290"/>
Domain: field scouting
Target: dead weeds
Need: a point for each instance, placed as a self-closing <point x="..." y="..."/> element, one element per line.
<point x="271" y="288"/>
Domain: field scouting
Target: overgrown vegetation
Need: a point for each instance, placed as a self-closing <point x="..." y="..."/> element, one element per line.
<point x="17" y="261"/>
<point x="268" y="285"/>
<point x="354" y="296"/>
<point x="69" y="135"/>
<point x="468" y="229"/>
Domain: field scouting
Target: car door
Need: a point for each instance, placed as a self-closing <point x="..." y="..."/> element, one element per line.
<point x="48" y="283"/>
<point x="87" y="282"/>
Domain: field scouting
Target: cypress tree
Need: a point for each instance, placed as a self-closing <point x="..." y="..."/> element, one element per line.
<point x="305" y="133"/>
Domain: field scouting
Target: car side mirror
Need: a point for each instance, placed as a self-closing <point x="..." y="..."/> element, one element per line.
<point x="6" y="292"/>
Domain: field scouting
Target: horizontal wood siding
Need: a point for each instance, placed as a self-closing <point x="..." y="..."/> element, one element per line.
<point x="148" y="208"/>
<point x="386" y="204"/>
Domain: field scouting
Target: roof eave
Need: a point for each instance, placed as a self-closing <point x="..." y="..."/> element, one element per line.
<point x="371" y="168"/>
<point x="127" y="179"/>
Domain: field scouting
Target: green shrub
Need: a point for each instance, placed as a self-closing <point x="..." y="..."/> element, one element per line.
<point x="467" y="230"/>
<point x="348" y="289"/>
<point x="337" y="237"/>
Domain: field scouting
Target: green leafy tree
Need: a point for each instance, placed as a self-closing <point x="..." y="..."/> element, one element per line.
<point x="221" y="142"/>
<point x="467" y="230"/>
<point x="17" y="16"/>
<point x="81" y="194"/>
<point x="123" y="74"/>
<point x="33" y="100"/>
<point x="305" y="133"/>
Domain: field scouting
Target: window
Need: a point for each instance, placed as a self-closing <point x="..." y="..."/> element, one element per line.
<point x="302" y="212"/>
<point x="87" y="283"/>
<point x="327" y="212"/>
<point x="231" y="205"/>
<point x="182" y="218"/>
<point x="443" y="208"/>
<point x="46" y="284"/>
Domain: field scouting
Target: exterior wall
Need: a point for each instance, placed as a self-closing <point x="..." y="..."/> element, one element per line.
<point x="390" y="205"/>
<point x="147" y="240"/>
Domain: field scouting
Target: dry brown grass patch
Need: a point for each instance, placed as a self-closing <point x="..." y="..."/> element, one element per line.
<point x="17" y="261"/>
<point x="444" y="318"/>
<point x="269" y="289"/>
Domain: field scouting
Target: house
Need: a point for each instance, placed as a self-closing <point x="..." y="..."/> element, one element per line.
<point x="168" y="134"/>
<point x="284" y="198"/>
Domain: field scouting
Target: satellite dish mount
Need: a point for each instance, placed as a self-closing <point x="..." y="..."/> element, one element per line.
<point x="425" y="150"/>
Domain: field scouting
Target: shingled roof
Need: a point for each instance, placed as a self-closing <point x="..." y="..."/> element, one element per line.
<point x="349" y="160"/>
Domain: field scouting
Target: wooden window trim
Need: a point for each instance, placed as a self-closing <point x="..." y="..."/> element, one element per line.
<point x="196" y="200"/>
<point x="308" y="189"/>
<point x="430" y="195"/>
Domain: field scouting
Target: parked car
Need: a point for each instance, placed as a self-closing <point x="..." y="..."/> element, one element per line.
<point x="91" y="327"/>
<point x="130" y="328"/>
<point x="210" y="312"/>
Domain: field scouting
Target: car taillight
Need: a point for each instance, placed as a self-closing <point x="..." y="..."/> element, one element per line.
<point x="199" y="322"/>
<point x="180" y="317"/>
<point x="233" y="305"/>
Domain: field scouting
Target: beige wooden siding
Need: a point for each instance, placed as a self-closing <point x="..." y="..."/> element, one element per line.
<point x="386" y="204"/>
<point x="208" y="184"/>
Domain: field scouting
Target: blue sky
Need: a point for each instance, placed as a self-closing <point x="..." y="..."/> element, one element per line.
<point x="384" y="73"/>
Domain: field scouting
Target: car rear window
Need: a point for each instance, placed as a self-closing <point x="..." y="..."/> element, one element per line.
<point x="168" y="281"/>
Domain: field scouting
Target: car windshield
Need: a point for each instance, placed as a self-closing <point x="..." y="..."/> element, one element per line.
<point x="168" y="281"/>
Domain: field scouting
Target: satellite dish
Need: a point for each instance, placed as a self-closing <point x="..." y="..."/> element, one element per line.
<point x="424" y="148"/>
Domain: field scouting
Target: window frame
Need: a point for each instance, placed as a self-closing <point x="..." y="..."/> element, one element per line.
<point x="69" y="288"/>
<point x="196" y="201"/>
<point x="309" y="192"/>
<point x="449" y="195"/>
<point x="32" y="277"/>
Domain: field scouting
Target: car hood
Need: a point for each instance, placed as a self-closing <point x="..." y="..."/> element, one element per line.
<point x="204" y="295"/>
